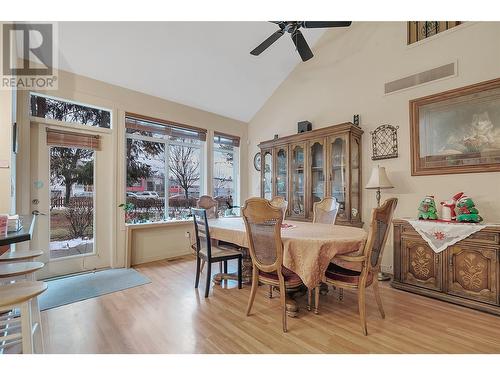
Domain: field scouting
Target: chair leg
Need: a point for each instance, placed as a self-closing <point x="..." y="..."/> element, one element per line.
<point x="26" y="327"/>
<point x="341" y="294"/>
<point x="316" y="299"/>
<point x="38" y="339"/>
<point x="240" y="273"/>
<point x="376" y="291"/>
<point x="221" y="270"/>
<point x="362" y="310"/>
<point x="255" y="285"/>
<point x="225" y="266"/>
<point x="198" y="271"/>
<point x="270" y="292"/>
<point x="209" y="275"/>
<point x="309" y="294"/>
<point x="202" y="266"/>
<point x="283" y="304"/>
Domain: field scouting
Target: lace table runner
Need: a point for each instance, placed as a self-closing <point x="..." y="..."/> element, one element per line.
<point x="440" y="234"/>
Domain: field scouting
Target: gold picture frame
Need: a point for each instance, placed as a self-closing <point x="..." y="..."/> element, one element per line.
<point x="456" y="131"/>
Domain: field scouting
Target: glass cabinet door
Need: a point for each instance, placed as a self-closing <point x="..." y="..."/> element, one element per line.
<point x="337" y="172"/>
<point x="355" y="179"/>
<point x="267" y="173"/>
<point x="281" y="172"/>
<point x="317" y="172"/>
<point x="297" y="180"/>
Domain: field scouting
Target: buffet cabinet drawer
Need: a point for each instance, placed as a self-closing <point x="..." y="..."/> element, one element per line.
<point x="478" y="238"/>
<point x="473" y="273"/>
<point x="421" y="266"/>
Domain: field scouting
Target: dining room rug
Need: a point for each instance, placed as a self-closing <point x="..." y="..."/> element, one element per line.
<point x="70" y="289"/>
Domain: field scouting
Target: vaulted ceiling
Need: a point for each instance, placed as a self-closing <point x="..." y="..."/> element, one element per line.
<point x="206" y="65"/>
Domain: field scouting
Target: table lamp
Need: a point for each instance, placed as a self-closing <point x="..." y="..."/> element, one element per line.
<point x="379" y="180"/>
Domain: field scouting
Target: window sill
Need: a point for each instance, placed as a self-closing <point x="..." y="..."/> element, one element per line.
<point x="158" y="224"/>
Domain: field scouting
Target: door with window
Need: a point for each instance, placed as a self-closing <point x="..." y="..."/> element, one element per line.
<point x="72" y="189"/>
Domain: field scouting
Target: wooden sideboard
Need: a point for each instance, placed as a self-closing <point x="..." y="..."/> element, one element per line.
<point x="466" y="273"/>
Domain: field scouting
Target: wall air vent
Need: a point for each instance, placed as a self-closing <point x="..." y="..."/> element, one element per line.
<point x="440" y="72"/>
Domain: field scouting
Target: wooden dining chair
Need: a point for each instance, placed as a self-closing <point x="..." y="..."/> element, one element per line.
<point x="281" y="203"/>
<point x="263" y="227"/>
<point x="209" y="252"/>
<point x="325" y="211"/>
<point x="360" y="271"/>
<point x="212" y="207"/>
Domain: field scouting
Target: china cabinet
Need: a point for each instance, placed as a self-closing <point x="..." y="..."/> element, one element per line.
<point x="304" y="168"/>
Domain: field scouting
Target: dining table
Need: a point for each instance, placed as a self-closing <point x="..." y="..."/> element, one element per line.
<point x="308" y="247"/>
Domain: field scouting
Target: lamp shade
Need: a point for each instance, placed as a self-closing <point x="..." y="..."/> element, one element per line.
<point x="379" y="179"/>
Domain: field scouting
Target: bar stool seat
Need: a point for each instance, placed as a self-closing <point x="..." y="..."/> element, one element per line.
<point x="18" y="269"/>
<point x="14" y="256"/>
<point x="23" y="296"/>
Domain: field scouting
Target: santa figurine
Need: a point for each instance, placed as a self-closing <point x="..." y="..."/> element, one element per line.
<point x="448" y="208"/>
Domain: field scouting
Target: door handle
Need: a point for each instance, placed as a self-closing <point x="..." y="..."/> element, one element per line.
<point x="37" y="213"/>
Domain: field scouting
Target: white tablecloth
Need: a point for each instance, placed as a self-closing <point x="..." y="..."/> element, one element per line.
<point x="439" y="234"/>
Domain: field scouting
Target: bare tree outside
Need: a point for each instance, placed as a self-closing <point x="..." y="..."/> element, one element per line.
<point x="184" y="166"/>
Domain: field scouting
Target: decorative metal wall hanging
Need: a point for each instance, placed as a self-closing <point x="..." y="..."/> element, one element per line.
<point x="355" y="120"/>
<point x="385" y="142"/>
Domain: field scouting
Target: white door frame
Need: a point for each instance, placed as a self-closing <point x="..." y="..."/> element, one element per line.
<point x="40" y="200"/>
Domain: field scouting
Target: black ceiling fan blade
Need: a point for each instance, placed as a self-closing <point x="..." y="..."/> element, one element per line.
<point x="321" y="24"/>
<point x="266" y="43"/>
<point x="302" y="46"/>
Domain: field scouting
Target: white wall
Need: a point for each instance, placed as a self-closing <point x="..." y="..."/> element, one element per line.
<point x="347" y="76"/>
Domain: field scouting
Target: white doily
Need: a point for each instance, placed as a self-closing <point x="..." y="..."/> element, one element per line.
<point x="439" y="235"/>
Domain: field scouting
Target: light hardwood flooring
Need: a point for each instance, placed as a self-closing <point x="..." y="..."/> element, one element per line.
<point x="170" y="316"/>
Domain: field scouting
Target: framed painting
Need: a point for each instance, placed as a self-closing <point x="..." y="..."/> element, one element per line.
<point x="456" y="131"/>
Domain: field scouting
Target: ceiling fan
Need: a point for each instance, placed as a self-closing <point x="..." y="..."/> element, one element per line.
<point x="293" y="27"/>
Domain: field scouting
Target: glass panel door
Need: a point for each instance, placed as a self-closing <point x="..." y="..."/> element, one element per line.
<point x="297" y="181"/>
<point x="317" y="162"/>
<point x="282" y="172"/>
<point x="337" y="180"/>
<point x="71" y="201"/>
<point x="355" y="179"/>
<point x="267" y="170"/>
<point x="71" y="188"/>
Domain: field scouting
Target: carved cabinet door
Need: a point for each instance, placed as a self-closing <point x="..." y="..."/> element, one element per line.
<point x="421" y="266"/>
<point x="472" y="273"/>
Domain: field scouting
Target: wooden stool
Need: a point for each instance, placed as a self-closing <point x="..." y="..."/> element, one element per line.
<point x="23" y="296"/>
<point x="8" y="271"/>
<point x="20" y="255"/>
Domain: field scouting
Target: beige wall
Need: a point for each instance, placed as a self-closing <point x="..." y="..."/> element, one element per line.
<point x="170" y="241"/>
<point x="347" y="76"/>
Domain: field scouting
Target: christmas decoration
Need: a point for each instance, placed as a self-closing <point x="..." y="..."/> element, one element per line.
<point x="466" y="210"/>
<point x="448" y="208"/>
<point x="427" y="209"/>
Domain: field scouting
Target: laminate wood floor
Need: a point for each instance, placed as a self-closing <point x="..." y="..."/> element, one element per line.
<point x="170" y="316"/>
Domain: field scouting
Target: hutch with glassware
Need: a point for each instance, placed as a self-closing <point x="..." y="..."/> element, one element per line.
<point x="306" y="167"/>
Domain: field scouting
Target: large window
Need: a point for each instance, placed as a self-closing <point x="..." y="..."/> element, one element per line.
<point x="164" y="170"/>
<point x="225" y="173"/>
<point x="63" y="110"/>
